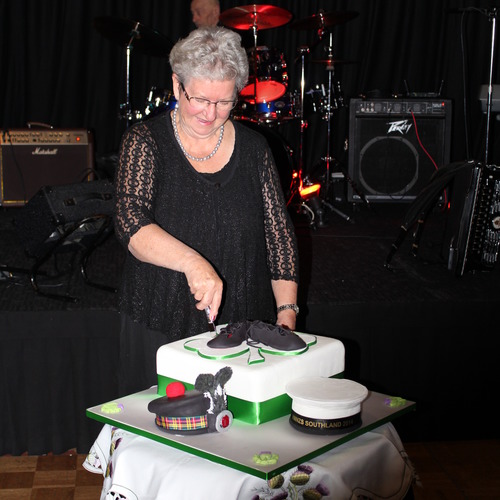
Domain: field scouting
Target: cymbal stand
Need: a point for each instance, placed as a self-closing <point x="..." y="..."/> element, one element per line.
<point x="303" y="50"/>
<point x="297" y="178"/>
<point x="254" y="32"/>
<point x="328" y="117"/>
<point x="254" y="29"/>
<point x="126" y="108"/>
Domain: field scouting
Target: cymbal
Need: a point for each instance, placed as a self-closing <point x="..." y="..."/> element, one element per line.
<point x="260" y="16"/>
<point x="127" y="32"/>
<point x="323" y="20"/>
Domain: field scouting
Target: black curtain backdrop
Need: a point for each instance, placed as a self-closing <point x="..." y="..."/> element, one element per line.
<point x="58" y="69"/>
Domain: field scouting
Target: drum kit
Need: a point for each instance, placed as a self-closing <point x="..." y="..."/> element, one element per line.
<point x="267" y="100"/>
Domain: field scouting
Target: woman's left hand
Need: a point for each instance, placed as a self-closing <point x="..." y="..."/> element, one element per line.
<point x="285" y="292"/>
<point x="287" y="319"/>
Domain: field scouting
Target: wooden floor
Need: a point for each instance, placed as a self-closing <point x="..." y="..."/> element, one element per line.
<point x="47" y="477"/>
<point x="449" y="470"/>
<point x="452" y="470"/>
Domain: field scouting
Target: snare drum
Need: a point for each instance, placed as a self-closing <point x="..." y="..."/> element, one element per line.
<point x="159" y="100"/>
<point x="268" y="78"/>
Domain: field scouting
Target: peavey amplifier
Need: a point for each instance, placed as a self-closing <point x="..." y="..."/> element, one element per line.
<point x="472" y="239"/>
<point x="33" y="158"/>
<point x="390" y="141"/>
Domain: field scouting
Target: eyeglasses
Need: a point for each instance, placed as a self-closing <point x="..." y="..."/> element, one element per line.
<point x="201" y="103"/>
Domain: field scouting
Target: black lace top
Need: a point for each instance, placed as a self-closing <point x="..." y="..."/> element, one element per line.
<point x="238" y="221"/>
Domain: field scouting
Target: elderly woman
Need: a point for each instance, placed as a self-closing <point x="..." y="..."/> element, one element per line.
<point x="201" y="212"/>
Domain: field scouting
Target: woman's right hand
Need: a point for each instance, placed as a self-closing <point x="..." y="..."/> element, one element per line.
<point x="154" y="245"/>
<point x="204" y="283"/>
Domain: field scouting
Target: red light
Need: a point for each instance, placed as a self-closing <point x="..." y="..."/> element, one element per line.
<point x="308" y="191"/>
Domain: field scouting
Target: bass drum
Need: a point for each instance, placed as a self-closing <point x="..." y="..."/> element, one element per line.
<point x="282" y="153"/>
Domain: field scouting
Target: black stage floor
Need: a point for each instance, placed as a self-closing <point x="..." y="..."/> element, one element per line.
<point x="341" y="263"/>
<point x="416" y="331"/>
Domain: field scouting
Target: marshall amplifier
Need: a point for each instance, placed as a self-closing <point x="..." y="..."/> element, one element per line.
<point x="391" y="143"/>
<point x="33" y="158"/>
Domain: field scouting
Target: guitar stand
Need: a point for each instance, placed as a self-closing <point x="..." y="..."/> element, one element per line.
<point x="92" y="243"/>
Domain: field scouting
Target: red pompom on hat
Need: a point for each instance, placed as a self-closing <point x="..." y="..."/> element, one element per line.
<point x="175" y="389"/>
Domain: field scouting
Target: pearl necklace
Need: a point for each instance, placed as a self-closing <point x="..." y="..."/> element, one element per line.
<point x="194" y="158"/>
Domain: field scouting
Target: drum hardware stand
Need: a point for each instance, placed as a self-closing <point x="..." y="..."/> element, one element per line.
<point x="254" y="33"/>
<point x="297" y="175"/>
<point x="319" y="22"/>
<point x="309" y="204"/>
<point x="126" y="108"/>
<point x="328" y="159"/>
<point x="303" y="123"/>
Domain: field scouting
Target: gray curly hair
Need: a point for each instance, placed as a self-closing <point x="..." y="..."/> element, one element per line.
<point x="212" y="53"/>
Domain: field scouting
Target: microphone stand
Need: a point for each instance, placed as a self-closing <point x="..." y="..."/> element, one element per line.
<point x="492" y="14"/>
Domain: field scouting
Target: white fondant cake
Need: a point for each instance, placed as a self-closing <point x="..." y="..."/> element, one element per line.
<point x="257" y="389"/>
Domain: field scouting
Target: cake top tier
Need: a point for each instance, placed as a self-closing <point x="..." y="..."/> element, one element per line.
<point x="259" y="371"/>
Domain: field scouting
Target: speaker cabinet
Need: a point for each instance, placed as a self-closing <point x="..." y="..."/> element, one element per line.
<point x="390" y="142"/>
<point x="31" y="159"/>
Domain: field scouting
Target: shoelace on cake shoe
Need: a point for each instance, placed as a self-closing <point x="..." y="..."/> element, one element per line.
<point x="274" y="336"/>
<point x="231" y="335"/>
<point x="254" y="333"/>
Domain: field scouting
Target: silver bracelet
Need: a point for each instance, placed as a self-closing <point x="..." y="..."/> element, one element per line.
<point x="284" y="307"/>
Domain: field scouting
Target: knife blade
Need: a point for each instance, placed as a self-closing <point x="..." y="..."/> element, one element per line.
<point x="211" y="324"/>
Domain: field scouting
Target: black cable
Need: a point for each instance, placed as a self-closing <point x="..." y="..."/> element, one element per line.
<point x="420" y="207"/>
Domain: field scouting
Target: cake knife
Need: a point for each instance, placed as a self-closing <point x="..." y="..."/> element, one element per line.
<point x="211" y="324"/>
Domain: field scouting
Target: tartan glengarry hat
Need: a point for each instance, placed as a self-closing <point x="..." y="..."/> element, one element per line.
<point x="200" y="410"/>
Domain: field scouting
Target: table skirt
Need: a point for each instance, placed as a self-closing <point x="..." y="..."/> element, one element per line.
<point x="373" y="465"/>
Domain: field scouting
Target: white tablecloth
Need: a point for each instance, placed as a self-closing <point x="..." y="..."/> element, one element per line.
<point x="373" y="465"/>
